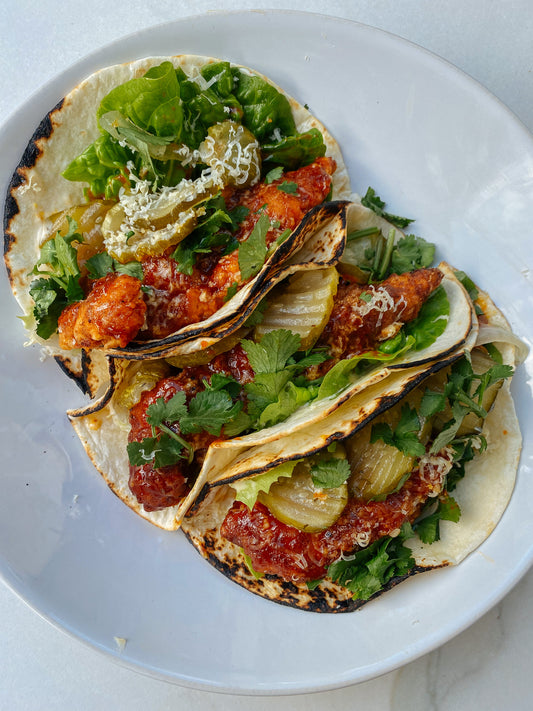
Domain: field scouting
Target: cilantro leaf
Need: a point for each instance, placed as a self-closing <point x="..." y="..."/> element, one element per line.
<point x="103" y="263"/>
<point x="209" y="411"/>
<point x="370" y="569"/>
<point x="274" y="174"/>
<point x="170" y="411"/>
<point x="161" y="451"/>
<point x="376" y="204"/>
<point x="58" y="285"/>
<point x="405" y="436"/>
<point x="273" y="352"/>
<point x="411" y="252"/>
<point x="427" y="527"/>
<point x="288" y="187"/>
<point x="330" y="473"/>
<point x="253" y="251"/>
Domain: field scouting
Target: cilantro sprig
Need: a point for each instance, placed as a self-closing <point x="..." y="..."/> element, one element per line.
<point x="463" y="393"/>
<point x="376" y="204"/>
<point x="58" y="285"/>
<point x="208" y="411"/>
<point x="404" y="436"/>
<point x="275" y="393"/>
<point x="370" y="569"/>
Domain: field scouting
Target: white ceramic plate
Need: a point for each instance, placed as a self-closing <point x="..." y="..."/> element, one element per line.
<point x="435" y="145"/>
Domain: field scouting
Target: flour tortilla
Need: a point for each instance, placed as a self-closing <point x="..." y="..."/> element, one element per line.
<point x="482" y="495"/>
<point x="37" y="191"/>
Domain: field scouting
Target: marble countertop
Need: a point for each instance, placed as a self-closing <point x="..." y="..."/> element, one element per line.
<point x="488" y="665"/>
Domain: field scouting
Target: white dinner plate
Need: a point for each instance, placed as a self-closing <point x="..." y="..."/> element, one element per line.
<point x="435" y="145"/>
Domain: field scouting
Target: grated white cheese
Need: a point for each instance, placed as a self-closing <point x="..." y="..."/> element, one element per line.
<point x="434" y="467"/>
<point x="380" y="301"/>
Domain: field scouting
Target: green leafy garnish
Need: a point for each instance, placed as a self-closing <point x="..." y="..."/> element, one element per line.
<point x="427" y="526"/>
<point x="274" y="174"/>
<point x="247" y="490"/>
<point x="404" y="436"/>
<point x="410" y="253"/>
<point x="370" y="569"/>
<point x="330" y="473"/>
<point x="209" y="410"/>
<point x="58" y="285"/>
<point x="252" y="251"/>
<point x="376" y="204"/>
<point x="288" y="187"/>
<point x="103" y="263"/>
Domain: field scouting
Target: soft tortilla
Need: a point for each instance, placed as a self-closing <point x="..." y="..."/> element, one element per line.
<point x="482" y="495"/>
<point x="37" y="189"/>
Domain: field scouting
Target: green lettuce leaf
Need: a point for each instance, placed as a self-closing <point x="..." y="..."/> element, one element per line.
<point x="247" y="490"/>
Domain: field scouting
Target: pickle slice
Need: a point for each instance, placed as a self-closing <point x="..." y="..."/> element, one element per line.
<point x="201" y="357"/>
<point x="379" y="468"/>
<point x="138" y="378"/>
<point x="298" y="502"/>
<point x="303" y="305"/>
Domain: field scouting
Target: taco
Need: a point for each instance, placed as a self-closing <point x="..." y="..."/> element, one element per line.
<point x="345" y="510"/>
<point x="168" y="428"/>
<point x="157" y="201"/>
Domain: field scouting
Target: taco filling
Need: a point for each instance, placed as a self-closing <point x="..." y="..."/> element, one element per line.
<point x="252" y="385"/>
<point x="346" y="513"/>
<point x="173" y="293"/>
<point x="198" y="174"/>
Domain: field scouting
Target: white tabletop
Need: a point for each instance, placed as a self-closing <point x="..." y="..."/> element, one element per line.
<point x="487" y="666"/>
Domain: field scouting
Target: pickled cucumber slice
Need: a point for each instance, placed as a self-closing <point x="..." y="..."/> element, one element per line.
<point x="233" y="154"/>
<point x="303" y="305"/>
<point x="201" y="357"/>
<point x="139" y="377"/>
<point x="298" y="502"/>
<point x="379" y="468"/>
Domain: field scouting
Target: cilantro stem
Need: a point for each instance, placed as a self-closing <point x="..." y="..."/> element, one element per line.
<point x="184" y="443"/>
<point x="358" y="234"/>
<point x="387" y="256"/>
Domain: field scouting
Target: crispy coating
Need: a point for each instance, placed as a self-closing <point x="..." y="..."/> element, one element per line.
<point x="283" y="550"/>
<point x="365" y="315"/>
<point x="177" y="299"/>
<point x="110" y="316"/>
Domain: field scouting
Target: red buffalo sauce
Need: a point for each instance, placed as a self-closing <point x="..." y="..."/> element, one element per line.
<point x="173" y="299"/>
<point x="279" y="549"/>
<point x="159" y="488"/>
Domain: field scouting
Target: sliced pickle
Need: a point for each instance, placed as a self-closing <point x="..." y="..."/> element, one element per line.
<point x="205" y="355"/>
<point x="233" y="153"/>
<point x="303" y="305"/>
<point x="378" y="468"/>
<point x="355" y="260"/>
<point x="139" y="377"/>
<point x="296" y="501"/>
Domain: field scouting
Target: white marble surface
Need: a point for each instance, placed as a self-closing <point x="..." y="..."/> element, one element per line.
<point x="487" y="666"/>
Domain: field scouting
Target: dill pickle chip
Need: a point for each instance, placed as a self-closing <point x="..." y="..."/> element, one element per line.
<point x="379" y="468"/>
<point x="141" y="376"/>
<point x="205" y="355"/>
<point x="296" y="501"/>
<point x="233" y="153"/>
<point x="88" y="218"/>
<point x="303" y="305"/>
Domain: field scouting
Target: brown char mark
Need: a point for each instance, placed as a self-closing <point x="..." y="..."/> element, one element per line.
<point x="29" y="159"/>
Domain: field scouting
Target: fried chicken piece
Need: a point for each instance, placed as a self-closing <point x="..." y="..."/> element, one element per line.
<point x="109" y="317"/>
<point x="363" y="316"/>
